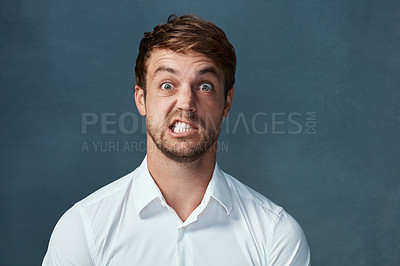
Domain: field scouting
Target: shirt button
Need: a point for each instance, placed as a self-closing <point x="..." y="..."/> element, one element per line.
<point x="180" y="234"/>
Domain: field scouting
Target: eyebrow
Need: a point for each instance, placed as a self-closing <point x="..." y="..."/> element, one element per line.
<point x="164" y="68"/>
<point x="201" y="72"/>
<point x="206" y="70"/>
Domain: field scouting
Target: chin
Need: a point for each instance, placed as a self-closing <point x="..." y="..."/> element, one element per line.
<point x="184" y="155"/>
<point x="183" y="158"/>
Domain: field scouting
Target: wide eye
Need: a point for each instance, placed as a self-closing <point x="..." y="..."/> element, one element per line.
<point x="167" y="86"/>
<point x="205" y="87"/>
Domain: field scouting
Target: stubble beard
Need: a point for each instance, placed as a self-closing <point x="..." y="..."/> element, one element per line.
<point x="185" y="149"/>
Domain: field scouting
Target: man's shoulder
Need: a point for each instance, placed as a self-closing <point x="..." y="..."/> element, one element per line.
<point x="114" y="189"/>
<point x="252" y="198"/>
<point x="286" y="239"/>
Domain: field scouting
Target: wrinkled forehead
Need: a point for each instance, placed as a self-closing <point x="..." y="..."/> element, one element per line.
<point x="171" y="61"/>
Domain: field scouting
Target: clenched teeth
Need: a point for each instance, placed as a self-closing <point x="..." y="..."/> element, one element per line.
<point x="180" y="127"/>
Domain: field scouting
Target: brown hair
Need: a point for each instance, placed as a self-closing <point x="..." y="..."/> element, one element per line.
<point x="188" y="33"/>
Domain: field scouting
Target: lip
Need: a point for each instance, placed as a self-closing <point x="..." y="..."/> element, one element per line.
<point x="182" y="134"/>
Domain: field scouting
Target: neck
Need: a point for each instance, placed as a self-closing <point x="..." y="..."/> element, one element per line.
<point x="182" y="184"/>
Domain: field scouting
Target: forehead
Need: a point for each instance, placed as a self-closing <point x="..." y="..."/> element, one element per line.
<point x="186" y="61"/>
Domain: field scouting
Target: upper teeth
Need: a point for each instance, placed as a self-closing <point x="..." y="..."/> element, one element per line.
<point x="181" y="127"/>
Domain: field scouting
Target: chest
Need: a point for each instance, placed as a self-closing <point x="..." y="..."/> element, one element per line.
<point x="218" y="240"/>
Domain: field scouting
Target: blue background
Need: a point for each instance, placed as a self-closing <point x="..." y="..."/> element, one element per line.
<point x="339" y="59"/>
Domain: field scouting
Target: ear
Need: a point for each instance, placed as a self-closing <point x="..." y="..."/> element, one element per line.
<point x="228" y="102"/>
<point x="140" y="101"/>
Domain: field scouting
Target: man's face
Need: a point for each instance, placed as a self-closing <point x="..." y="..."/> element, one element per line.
<point x="184" y="104"/>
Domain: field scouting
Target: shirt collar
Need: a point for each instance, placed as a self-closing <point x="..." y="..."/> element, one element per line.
<point x="220" y="190"/>
<point x="145" y="190"/>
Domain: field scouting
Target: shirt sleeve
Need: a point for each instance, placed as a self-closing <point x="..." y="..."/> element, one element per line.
<point x="68" y="243"/>
<point x="289" y="244"/>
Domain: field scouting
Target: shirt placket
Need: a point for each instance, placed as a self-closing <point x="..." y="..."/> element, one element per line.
<point x="184" y="247"/>
<point x="183" y="242"/>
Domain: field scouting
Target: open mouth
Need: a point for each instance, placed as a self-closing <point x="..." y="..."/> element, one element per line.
<point x="181" y="127"/>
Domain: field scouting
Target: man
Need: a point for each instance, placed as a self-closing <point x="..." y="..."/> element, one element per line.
<point x="178" y="207"/>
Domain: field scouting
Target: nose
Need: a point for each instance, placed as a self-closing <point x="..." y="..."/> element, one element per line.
<point x="186" y="99"/>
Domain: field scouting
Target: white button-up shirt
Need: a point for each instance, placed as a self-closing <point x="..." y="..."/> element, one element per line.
<point x="128" y="222"/>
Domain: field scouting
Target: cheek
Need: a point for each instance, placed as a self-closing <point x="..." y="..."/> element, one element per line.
<point x="158" y="108"/>
<point x="212" y="113"/>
